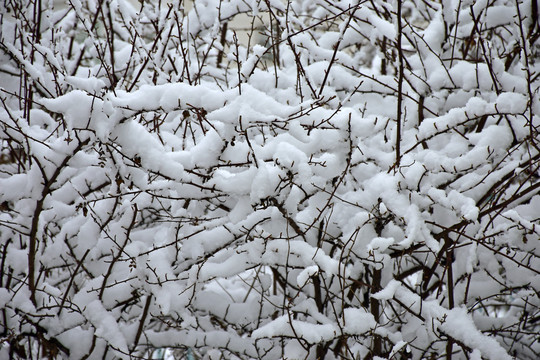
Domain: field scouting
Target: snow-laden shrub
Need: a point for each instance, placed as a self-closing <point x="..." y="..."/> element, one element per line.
<point x="270" y="179"/>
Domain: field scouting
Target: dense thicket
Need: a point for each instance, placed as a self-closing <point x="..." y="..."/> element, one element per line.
<point x="270" y="179"/>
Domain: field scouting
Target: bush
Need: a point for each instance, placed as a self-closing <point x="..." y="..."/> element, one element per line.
<point x="270" y="179"/>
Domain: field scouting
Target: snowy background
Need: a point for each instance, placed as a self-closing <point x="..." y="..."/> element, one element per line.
<point x="270" y="179"/>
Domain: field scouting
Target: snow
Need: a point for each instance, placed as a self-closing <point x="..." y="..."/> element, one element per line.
<point x="380" y="244"/>
<point x="459" y="325"/>
<point x="78" y="340"/>
<point x="511" y="102"/>
<point x="106" y="326"/>
<point x="5" y="297"/>
<point x="305" y="274"/>
<point x="216" y="196"/>
<point x="312" y="333"/>
<point x="388" y="292"/>
<point x="76" y="107"/>
<point x="357" y="321"/>
<point x="90" y="85"/>
<point x="455" y="322"/>
<point x="241" y="210"/>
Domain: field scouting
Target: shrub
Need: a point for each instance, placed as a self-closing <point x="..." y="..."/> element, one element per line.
<point x="270" y="179"/>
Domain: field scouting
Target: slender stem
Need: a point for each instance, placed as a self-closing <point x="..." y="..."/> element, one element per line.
<point x="400" y="86"/>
